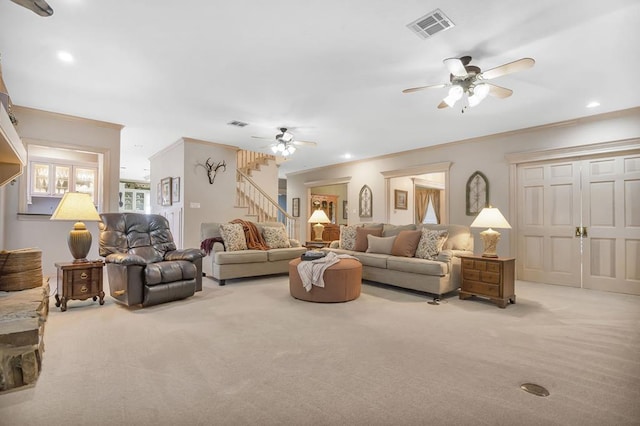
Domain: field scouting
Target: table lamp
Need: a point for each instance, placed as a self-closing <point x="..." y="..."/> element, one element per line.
<point x="490" y="217"/>
<point x="318" y="217"/>
<point x="77" y="207"/>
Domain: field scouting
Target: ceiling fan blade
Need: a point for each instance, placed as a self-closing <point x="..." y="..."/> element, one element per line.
<point x="308" y="143"/>
<point x="40" y="7"/>
<point x="498" y="91"/>
<point x="443" y="105"/>
<point x="432" y="86"/>
<point x="511" y="67"/>
<point x="262" y="137"/>
<point x="455" y="67"/>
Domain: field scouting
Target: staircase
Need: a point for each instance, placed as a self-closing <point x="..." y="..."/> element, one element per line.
<point x="260" y="207"/>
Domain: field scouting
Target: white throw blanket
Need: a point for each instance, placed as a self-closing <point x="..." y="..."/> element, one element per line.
<point x="311" y="271"/>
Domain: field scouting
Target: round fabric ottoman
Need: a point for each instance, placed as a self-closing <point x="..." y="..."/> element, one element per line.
<point x="342" y="282"/>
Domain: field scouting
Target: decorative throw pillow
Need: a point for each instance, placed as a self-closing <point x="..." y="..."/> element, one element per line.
<point x="233" y="236"/>
<point x="348" y="237"/>
<point x="276" y="237"/>
<point x="406" y="243"/>
<point x="431" y="243"/>
<point x="380" y="245"/>
<point x="361" y="237"/>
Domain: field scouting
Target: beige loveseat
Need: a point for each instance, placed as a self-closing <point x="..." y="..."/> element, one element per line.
<point x="247" y="263"/>
<point x="436" y="277"/>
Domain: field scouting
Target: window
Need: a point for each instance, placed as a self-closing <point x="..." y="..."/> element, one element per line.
<point x="430" y="216"/>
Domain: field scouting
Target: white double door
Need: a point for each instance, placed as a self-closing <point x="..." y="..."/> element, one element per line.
<point x="579" y="223"/>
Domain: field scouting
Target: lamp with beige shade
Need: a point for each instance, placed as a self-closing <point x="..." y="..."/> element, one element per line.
<point x="490" y="217"/>
<point x="318" y="217"/>
<point x="77" y="207"/>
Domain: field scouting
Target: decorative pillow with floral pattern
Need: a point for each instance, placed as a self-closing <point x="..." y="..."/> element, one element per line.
<point x="431" y="243"/>
<point x="233" y="236"/>
<point x="348" y="237"/>
<point x="276" y="237"/>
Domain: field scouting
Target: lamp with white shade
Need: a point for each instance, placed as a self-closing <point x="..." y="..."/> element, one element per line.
<point x="490" y="217"/>
<point x="318" y="217"/>
<point x="77" y="207"/>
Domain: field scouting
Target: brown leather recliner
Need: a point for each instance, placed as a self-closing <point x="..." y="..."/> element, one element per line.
<point x="143" y="265"/>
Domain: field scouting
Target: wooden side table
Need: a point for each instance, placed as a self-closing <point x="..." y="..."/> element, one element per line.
<point x="79" y="281"/>
<point x="491" y="277"/>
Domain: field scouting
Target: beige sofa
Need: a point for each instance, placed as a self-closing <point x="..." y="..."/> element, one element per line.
<point x="436" y="277"/>
<point x="247" y="263"/>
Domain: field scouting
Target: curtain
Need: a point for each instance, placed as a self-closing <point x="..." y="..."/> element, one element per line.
<point x="422" y="198"/>
<point x="421" y="201"/>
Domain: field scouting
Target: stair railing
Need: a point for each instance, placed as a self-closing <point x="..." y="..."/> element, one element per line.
<point x="261" y="206"/>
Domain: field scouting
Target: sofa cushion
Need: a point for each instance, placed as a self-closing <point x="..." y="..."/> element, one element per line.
<point x="389" y="230"/>
<point x="418" y="266"/>
<point x="375" y="260"/>
<point x="459" y="236"/>
<point x="431" y="243"/>
<point x="285" y="253"/>
<point x="348" y="237"/>
<point x="361" y="237"/>
<point x="381" y="245"/>
<point x="241" y="256"/>
<point x="406" y="243"/>
<point x="233" y="236"/>
<point x="276" y="237"/>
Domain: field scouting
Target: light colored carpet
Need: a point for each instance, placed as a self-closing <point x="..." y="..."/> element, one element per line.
<point x="248" y="353"/>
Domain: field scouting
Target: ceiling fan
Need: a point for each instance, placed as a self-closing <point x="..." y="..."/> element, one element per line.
<point x="285" y="144"/>
<point x="469" y="80"/>
<point x="41" y="7"/>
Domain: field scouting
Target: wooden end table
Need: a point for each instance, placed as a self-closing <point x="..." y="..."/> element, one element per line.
<point x="490" y="277"/>
<point x="79" y="281"/>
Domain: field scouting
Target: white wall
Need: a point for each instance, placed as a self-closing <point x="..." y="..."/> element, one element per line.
<point x="486" y="154"/>
<point x="50" y="129"/>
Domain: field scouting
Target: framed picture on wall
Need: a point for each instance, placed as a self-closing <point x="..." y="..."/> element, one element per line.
<point x="175" y="190"/>
<point x="159" y="194"/>
<point x="295" y="207"/>
<point x="477" y="192"/>
<point x="400" y="199"/>
<point x="345" y="210"/>
<point x="165" y="185"/>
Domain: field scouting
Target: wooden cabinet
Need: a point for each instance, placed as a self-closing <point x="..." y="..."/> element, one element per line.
<point x="493" y="278"/>
<point x="79" y="281"/>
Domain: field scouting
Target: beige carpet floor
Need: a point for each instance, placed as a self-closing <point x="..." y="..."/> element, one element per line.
<point x="249" y="354"/>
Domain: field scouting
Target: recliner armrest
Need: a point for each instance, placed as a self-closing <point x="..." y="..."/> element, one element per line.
<point x="185" y="254"/>
<point x="125" y="259"/>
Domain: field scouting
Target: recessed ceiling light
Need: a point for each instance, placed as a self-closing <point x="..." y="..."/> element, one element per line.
<point x="65" y="56"/>
<point x="593" y="104"/>
<point x="347" y="155"/>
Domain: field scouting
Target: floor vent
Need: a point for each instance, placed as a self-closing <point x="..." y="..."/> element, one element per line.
<point x="431" y="24"/>
<point x="237" y="123"/>
<point x="534" y="389"/>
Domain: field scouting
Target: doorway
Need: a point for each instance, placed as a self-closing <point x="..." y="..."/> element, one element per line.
<point x="579" y="222"/>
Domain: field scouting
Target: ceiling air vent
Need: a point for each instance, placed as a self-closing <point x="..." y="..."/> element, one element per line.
<point x="431" y="24"/>
<point x="237" y="123"/>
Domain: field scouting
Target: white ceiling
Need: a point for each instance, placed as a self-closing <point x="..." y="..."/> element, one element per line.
<point x="333" y="70"/>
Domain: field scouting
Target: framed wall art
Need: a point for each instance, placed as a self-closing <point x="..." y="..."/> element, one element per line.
<point x="165" y="190"/>
<point x="477" y="193"/>
<point x="159" y="194"/>
<point x="366" y="202"/>
<point x="175" y="190"/>
<point x="295" y="207"/>
<point x="400" y="199"/>
<point x="345" y="210"/>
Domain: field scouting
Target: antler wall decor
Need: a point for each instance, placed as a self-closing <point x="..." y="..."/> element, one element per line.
<point x="212" y="170"/>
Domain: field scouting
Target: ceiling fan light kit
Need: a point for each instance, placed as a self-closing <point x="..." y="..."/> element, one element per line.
<point x="469" y="80"/>
<point x="285" y="144"/>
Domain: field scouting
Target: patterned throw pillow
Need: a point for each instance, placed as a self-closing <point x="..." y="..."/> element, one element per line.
<point x="431" y="243"/>
<point x="276" y="237"/>
<point x="233" y="236"/>
<point x="348" y="237"/>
